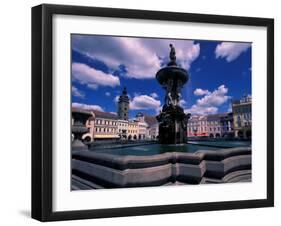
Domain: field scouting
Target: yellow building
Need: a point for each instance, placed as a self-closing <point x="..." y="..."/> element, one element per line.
<point x="133" y="130"/>
<point x="105" y="126"/>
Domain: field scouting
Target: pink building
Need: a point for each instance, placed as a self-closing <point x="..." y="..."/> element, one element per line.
<point x="213" y="126"/>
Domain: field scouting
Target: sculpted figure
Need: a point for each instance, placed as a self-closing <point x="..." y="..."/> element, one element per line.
<point x="173" y="54"/>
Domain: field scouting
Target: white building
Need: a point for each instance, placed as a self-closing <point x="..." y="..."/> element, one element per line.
<point x="122" y="128"/>
<point x="242" y="117"/>
<point x="142" y="127"/>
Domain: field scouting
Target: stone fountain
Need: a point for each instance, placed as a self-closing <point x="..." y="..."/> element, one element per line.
<point x="172" y="119"/>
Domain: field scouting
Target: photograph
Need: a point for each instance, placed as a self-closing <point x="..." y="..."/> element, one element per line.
<point x="152" y="111"/>
<point x="141" y="112"/>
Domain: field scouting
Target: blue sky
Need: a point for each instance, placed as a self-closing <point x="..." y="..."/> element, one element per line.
<point x="103" y="65"/>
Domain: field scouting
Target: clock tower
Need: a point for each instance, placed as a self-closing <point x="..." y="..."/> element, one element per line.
<point x="123" y="105"/>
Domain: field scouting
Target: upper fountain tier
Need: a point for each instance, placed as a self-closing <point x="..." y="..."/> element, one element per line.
<point x="172" y="71"/>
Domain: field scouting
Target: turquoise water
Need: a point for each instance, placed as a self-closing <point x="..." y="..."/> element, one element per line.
<point x="153" y="149"/>
<point x="226" y="144"/>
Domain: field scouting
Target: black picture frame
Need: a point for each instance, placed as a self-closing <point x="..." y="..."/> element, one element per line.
<point x="42" y="111"/>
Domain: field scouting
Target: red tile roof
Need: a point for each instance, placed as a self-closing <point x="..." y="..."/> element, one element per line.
<point x="107" y="115"/>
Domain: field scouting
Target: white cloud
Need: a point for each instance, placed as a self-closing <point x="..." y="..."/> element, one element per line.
<point x="154" y="95"/>
<point x="200" y="110"/>
<point x="145" y="102"/>
<point x="201" y="92"/>
<point x="93" y="86"/>
<point x="182" y="103"/>
<point x="108" y="94"/>
<point x="87" y="106"/>
<point x="141" y="57"/>
<point x="231" y="50"/>
<point x="210" y="102"/>
<point x="142" y="102"/>
<point x="92" y="77"/>
<point x="76" y="92"/>
<point x="186" y="50"/>
<point x="216" y="98"/>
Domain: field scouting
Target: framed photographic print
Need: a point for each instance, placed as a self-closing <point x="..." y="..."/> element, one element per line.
<point x="145" y="112"/>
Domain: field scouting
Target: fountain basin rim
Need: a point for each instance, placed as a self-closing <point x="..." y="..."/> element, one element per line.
<point x="133" y="161"/>
<point x="172" y="72"/>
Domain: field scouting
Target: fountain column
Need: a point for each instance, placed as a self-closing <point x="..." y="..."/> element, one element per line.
<point x="172" y="119"/>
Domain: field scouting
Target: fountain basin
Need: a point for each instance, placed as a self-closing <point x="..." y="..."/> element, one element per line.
<point x="91" y="170"/>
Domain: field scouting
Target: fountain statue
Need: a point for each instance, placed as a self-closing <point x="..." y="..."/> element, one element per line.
<point x="172" y="119"/>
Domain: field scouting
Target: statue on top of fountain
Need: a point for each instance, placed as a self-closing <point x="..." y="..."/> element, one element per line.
<point x="173" y="57"/>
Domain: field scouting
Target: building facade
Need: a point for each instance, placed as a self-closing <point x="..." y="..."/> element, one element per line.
<point x="213" y="126"/>
<point x="142" y="126"/>
<point x="197" y="126"/>
<point x="152" y="127"/>
<point x="242" y="117"/>
<point x="105" y="126"/>
<point x="227" y="127"/>
<point x="133" y="130"/>
<point x="88" y="136"/>
<point x="123" y="129"/>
